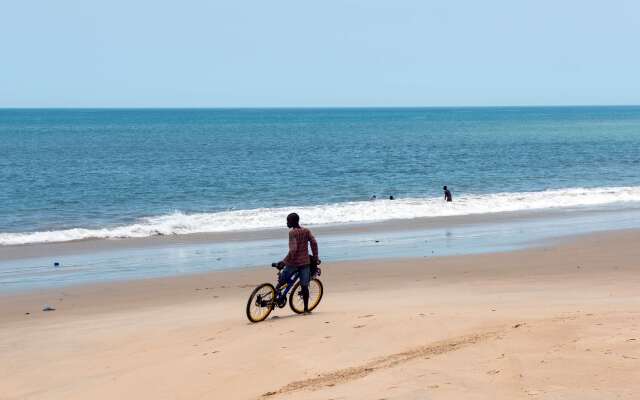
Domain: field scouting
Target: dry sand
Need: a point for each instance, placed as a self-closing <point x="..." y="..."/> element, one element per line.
<point x="559" y="322"/>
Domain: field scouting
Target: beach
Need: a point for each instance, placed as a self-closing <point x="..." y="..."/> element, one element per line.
<point x="318" y="201"/>
<point x="556" y="321"/>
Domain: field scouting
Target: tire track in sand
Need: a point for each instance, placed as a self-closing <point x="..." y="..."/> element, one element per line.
<point x="345" y="375"/>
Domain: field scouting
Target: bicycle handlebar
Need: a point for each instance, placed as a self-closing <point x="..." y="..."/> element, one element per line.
<point x="280" y="265"/>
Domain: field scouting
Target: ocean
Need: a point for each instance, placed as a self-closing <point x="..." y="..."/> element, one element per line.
<point x="68" y="174"/>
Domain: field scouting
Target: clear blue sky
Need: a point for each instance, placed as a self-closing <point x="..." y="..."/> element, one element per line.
<point x="208" y="53"/>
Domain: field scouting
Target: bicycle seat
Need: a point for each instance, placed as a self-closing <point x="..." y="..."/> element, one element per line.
<point x="278" y="266"/>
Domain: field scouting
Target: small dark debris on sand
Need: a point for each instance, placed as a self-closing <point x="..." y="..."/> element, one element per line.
<point x="48" y="308"/>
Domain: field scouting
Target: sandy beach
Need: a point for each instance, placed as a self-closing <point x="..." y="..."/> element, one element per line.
<point x="468" y="173"/>
<point x="556" y="322"/>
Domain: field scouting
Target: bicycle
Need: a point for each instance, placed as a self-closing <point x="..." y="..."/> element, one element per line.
<point x="265" y="297"/>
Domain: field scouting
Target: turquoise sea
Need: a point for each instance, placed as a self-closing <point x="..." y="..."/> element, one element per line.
<point x="77" y="173"/>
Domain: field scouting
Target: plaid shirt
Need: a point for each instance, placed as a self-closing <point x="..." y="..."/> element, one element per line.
<point x="298" y="249"/>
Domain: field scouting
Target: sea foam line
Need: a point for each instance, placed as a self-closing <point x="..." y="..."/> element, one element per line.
<point x="179" y="223"/>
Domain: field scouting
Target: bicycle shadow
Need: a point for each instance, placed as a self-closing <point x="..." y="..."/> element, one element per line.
<point x="276" y="318"/>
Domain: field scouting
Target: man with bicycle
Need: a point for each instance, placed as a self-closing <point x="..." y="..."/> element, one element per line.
<point x="298" y="257"/>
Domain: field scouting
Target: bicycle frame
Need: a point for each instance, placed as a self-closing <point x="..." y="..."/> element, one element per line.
<point x="283" y="290"/>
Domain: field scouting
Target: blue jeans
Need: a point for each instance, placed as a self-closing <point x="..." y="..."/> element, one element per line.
<point x="305" y="274"/>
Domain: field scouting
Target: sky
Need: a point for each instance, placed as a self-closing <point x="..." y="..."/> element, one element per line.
<point x="329" y="53"/>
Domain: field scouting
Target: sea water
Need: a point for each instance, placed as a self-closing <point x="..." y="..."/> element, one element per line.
<point x="69" y="174"/>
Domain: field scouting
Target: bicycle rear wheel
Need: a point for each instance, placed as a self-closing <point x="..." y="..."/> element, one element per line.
<point x="261" y="302"/>
<point x="316" y="290"/>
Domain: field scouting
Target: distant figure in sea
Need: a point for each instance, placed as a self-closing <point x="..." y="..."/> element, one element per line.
<point x="447" y="194"/>
<point x="391" y="198"/>
<point x="373" y="197"/>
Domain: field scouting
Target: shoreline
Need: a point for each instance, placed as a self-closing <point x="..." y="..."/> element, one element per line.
<point x="31" y="267"/>
<point x="91" y="245"/>
<point x="531" y="323"/>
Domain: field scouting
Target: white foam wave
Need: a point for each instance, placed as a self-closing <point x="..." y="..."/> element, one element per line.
<point x="349" y="212"/>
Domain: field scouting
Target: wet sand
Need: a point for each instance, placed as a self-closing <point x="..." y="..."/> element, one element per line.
<point x="557" y="322"/>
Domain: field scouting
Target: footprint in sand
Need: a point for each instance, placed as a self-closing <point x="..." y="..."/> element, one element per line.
<point x="367" y="316"/>
<point x="359" y="326"/>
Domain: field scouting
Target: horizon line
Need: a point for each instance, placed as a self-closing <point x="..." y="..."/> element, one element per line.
<point x="311" y="107"/>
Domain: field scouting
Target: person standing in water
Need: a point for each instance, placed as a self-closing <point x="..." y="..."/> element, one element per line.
<point x="447" y="194"/>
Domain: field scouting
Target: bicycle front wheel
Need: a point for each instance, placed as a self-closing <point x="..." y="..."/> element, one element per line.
<point x="261" y="302"/>
<point x="316" y="291"/>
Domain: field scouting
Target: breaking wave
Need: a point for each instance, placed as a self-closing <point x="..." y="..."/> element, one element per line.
<point x="179" y="223"/>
